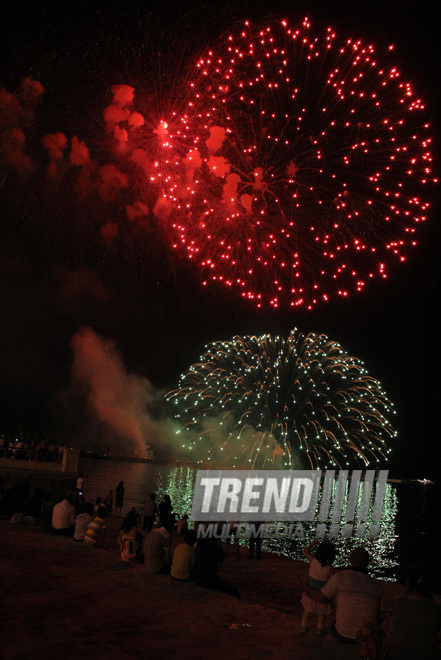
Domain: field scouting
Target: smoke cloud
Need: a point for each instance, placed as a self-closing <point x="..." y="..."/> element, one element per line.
<point x="130" y="411"/>
<point x="123" y="402"/>
<point x="16" y="115"/>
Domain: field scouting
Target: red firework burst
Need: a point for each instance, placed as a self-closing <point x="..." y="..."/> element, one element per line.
<point x="307" y="168"/>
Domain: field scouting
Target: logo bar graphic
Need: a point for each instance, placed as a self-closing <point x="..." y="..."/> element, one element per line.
<point x="333" y="498"/>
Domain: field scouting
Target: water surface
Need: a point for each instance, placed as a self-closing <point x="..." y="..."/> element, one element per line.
<point x="410" y="527"/>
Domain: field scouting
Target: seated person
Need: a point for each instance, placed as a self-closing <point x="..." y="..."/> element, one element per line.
<point x="47" y="509"/>
<point x="358" y="598"/>
<point x="63" y="516"/>
<point x="207" y="561"/>
<point x="183" y="557"/>
<point x="130" y="536"/>
<point x="35" y="503"/>
<point x="82" y="521"/>
<point x="415" y="621"/>
<point x="96" y="529"/>
<point x="157" y="550"/>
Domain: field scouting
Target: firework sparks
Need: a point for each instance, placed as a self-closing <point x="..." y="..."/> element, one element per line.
<point x="314" y="155"/>
<point x="296" y="402"/>
<point x="287" y="166"/>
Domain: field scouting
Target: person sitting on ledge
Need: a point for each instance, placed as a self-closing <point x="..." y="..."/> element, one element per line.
<point x="130" y="536"/>
<point x="415" y="621"/>
<point x="207" y="561"/>
<point x="183" y="557"/>
<point x="358" y="598"/>
<point x="82" y="521"/>
<point x="157" y="550"/>
<point x="96" y="530"/>
<point x="63" y="516"/>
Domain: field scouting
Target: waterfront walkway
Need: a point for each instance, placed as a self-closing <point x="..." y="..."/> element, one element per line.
<point x="63" y="600"/>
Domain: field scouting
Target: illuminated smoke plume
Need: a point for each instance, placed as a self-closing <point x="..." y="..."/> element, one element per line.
<point x="16" y="115"/>
<point x="121" y="401"/>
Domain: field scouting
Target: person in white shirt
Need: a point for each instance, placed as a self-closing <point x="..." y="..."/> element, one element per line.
<point x="157" y="550"/>
<point x="358" y="598"/>
<point x="63" y="516"/>
<point x="82" y="521"/>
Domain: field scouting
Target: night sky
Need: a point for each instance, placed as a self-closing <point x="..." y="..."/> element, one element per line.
<point x="57" y="276"/>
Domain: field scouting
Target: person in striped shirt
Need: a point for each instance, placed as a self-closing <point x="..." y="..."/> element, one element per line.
<point x="96" y="529"/>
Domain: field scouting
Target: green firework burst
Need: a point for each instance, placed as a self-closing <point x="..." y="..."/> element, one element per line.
<point x="296" y="402"/>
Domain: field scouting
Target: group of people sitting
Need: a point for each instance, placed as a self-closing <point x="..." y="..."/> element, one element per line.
<point x="84" y="521"/>
<point x="410" y="629"/>
<point x="350" y="597"/>
<point x="192" y="559"/>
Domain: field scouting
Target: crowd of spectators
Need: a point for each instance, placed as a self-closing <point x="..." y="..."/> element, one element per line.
<point x="347" y="602"/>
<point x="31" y="450"/>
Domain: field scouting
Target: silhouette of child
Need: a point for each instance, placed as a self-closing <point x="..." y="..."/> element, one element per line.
<point x="320" y="570"/>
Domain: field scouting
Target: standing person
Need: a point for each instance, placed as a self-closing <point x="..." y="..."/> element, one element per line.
<point x="108" y="502"/>
<point x="165" y="507"/>
<point x="415" y="621"/>
<point x="150" y="510"/>
<point x="255" y="540"/>
<point x="119" y="497"/>
<point x="358" y="598"/>
<point x="80" y="484"/>
<point x="233" y="534"/>
<point x="320" y="570"/>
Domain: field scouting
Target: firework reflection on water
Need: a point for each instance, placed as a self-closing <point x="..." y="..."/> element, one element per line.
<point x="404" y="536"/>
